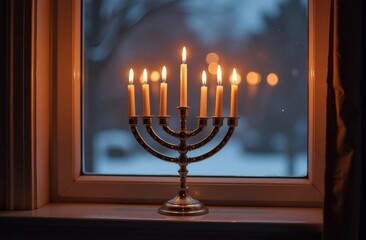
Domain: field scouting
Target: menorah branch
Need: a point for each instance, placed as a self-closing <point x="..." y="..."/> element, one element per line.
<point x="133" y="125"/>
<point x="215" y="149"/>
<point x="164" y="123"/>
<point x="232" y="122"/>
<point x="153" y="134"/>
<point x="201" y="124"/>
<point x="204" y="141"/>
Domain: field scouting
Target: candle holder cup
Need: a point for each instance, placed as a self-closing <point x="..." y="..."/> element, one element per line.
<point x="183" y="204"/>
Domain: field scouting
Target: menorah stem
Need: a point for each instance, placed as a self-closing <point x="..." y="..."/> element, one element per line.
<point x="183" y="160"/>
<point x="183" y="204"/>
<point x="183" y="189"/>
<point x="183" y="114"/>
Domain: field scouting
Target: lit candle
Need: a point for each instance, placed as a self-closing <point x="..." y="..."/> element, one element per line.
<point x="219" y="92"/>
<point x="183" y="79"/>
<point x="163" y="93"/>
<point x="131" y="95"/>
<point x="145" y="95"/>
<point x="234" y="94"/>
<point x="203" y="103"/>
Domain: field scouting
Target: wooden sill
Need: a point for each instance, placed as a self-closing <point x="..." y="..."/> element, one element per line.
<point x="114" y="221"/>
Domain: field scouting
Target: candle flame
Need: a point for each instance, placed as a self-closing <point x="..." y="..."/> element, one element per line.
<point x="144" y="76"/>
<point x="163" y="74"/>
<point x="204" y="79"/>
<point x="234" y="77"/>
<point x="130" y="77"/>
<point x="219" y="75"/>
<point x="184" y="55"/>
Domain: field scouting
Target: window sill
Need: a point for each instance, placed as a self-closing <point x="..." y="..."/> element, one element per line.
<point x="108" y="221"/>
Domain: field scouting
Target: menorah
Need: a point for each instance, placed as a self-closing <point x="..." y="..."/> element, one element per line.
<point x="182" y="204"/>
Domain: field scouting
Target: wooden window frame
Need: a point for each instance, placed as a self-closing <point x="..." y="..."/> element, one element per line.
<point x="50" y="168"/>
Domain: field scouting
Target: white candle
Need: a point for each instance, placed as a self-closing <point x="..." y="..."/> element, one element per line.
<point x="131" y="95"/>
<point x="163" y="93"/>
<point x="219" y="92"/>
<point x="234" y="94"/>
<point x="203" y="102"/>
<point x="145" y="95"/>
<point x="183" y="79"/>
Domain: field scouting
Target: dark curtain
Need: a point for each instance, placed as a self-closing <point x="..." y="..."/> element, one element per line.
<point x="344" y="199"/>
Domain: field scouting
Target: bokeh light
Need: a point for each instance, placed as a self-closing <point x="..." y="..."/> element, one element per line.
<point x="272" y="79"/>
<point x="212" y="67"/>
<point x="154" y="76"/>
<point x="253" y="78"/>
<point x="212" y="58"/>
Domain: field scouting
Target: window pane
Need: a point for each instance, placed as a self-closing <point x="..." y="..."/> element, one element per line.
<point x="265" y="40"/>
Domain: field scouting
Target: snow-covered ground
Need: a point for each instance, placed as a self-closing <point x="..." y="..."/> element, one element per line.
<point x="232" y="160"/>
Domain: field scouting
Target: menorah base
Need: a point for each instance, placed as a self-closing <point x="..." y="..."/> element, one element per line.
<point x="183" y="206"/>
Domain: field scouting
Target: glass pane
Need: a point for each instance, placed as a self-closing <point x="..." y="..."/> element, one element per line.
<point x="265" y="40"/>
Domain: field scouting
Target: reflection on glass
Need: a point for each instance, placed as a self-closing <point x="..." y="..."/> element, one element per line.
<point x="265" y="40"/>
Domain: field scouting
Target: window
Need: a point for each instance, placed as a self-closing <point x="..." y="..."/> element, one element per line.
<point x="267" y="43"/>
<point x="70" y="184"/>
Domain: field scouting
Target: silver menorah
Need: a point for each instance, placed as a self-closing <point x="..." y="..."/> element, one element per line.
<point x="183" y="204"/>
